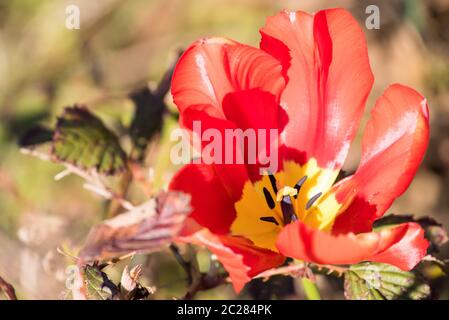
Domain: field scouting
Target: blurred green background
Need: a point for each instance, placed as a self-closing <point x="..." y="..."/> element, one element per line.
<point x="122" y="46"/>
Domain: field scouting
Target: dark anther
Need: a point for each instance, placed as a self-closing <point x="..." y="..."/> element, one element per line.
<point x="268" y="198"/>
<point x="288" y="212"/>
<point x="270" y="219"/>
<point x="299" y="184"/>
<point x="273" y="182"/>
<point x="312" y="200"/>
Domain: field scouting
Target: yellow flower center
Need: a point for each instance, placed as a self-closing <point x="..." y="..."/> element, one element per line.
<point x="297" y="192"/>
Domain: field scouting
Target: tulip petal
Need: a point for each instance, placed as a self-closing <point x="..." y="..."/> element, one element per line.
<point x="393" y="146"/>
<point x="402" y="246"/>
<point x="219" y="146"/>
<point x="247" y="134"/>
<point x="241" y="259"/>
<point x="329" y="81"/>
<point x="258" y="115"/>
<point x="212" y="68"/>
<point x="214" y="190"/>
<point x="254" y="109"/>
<point x="407" y="252"/>
<point x="199" y="119"/>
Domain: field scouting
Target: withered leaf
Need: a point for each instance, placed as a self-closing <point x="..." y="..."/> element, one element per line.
<point x="130" y="287"/>
<point x="129" y="278"/>
<point x="144" y="229"/>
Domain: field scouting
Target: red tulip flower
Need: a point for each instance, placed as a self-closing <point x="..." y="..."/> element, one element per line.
<point x="310" y="80"/>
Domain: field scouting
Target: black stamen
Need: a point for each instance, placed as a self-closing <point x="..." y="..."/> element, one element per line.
<point x="299" y="184"/>
<point x="288" y="212"/>
<point x="268" y="198"/>
<point x="312" y="200"/>
<point x="273" y="182"/>
<point x="269" y="219"/>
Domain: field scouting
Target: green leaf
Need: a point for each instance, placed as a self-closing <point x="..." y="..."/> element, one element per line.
<point x="83" y="140"/>
<point x="379" y="281"/>
<point x="98" y="285"/>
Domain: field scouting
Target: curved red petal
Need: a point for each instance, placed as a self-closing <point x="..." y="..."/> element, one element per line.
<point x="241" y="259"/>
<point x="233" y="175"/>
<point x="258" y="259"/>
<point x="408" y="251"/>
<point x="393" y="146"/>
<point x="403" y="246"/>
<point x="199" y="118"/>
<point x="212" y="68"/>
<point x="258" y="111"/>
<point x="212" y="198"/>
<point x="255" y="149"/>
<point x="329" y="81"/>
<point x="254" y="109"/>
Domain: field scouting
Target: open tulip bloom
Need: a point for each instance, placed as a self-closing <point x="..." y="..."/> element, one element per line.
<point x="310" y="80"/>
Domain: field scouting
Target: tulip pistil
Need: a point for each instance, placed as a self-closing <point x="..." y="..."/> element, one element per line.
<point x="288" y="212"/>
<point x="298" y="193"/>
<point x="283" y="195"/>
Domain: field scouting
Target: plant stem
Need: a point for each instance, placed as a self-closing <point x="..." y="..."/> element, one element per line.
<point x="310" y="289"/>
<point x="186" y="265"/>
<point x="116" y="204"/>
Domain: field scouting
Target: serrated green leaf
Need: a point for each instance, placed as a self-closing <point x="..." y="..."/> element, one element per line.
<point x="83" y="140"/>
<point x="379" y="281"/>
<point x="98" y="285"/>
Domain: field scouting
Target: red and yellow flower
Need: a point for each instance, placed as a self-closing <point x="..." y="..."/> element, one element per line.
<point x="310" y="79"/>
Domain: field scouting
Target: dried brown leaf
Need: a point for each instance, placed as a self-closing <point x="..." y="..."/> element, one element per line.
<point x="145" y="229"/>
<point x="130" y="278"/>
